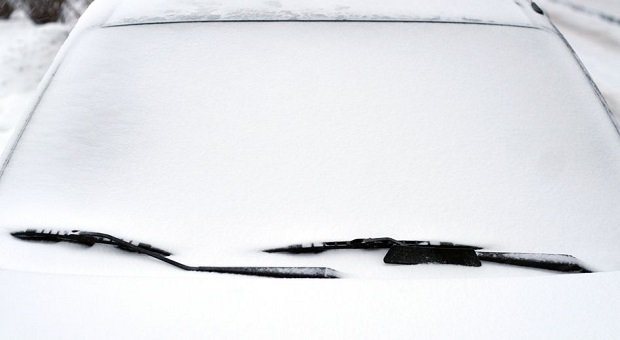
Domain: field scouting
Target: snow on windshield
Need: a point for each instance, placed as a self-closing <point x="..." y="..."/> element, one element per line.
<point x="218" y="139"/>
<point x="134" y="11"/>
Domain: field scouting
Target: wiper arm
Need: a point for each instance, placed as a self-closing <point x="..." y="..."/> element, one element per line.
<point x="361" y="243"/>
<point x="421" y="252"/>
<point x="90" y="238"/>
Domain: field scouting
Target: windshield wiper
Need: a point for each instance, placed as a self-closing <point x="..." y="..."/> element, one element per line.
<point x="90" y="238"/>
<point x="361" y="243"/>
<point x="422" y="252"/>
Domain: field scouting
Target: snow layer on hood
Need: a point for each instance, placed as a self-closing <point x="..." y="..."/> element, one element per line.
<point x="491" y="11"/>
<point x="217" y="140"/>
<point x="569" y="307"/>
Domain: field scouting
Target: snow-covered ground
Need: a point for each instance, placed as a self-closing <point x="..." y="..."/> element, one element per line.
<point x="27" y="50"/>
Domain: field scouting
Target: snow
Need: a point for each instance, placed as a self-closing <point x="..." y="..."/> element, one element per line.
<point x="225" y="306"/>
<point x="72" y="306"/>
<point x="593" y="30"/>
<point x="141" y="11"/>
<point x="596" y="42"/>
<point x="26" y="52"/>
<point x="280" y="146"/>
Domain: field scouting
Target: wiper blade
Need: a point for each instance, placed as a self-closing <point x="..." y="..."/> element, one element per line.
<point x="556" y="262"/>
<point x="89" y="238"/>
<point x="469" y="257"/>
<point x="361" y="243"/>
<point x="82" y="237"/>
<point x="428" y="252"/>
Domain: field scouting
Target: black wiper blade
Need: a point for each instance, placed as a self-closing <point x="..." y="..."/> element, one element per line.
<point x="469" y="257"/>
<point x="89" y="238"/>
<point x="361" y="243"/>
<point x="428" y="252"/>
<point x="82" y="237"/>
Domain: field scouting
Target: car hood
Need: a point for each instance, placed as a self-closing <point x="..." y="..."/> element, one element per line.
<point x="212" y="306"/>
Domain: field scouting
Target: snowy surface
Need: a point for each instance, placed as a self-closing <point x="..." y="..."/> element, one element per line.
<point x="68" y="307"/>
<point x="167" y="303"/>
<point x="26" y="51"/>
<point x="593" y="30"/>
<point x="214" y="153"/>
<point x="506" y="12"/>
<point x="595" y="41"/>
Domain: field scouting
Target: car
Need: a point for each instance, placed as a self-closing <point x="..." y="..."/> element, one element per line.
<point x="313" y="169"/>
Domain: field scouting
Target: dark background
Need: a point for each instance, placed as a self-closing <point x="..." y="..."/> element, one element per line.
<point x="45" y="11"/>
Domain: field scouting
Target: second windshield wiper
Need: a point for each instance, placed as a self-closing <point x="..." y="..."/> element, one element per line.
<point x="89" y="238"/>
<point x="429" y="252"/>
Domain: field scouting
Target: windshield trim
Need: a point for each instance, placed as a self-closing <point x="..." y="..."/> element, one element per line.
<point x="411" y="21"/>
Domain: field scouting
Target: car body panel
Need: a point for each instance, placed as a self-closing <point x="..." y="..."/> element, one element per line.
<point x="203" y="306"/>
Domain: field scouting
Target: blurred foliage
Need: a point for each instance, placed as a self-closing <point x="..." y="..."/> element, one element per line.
<point x="44" y="11"/>
<point x="6" y="9"/>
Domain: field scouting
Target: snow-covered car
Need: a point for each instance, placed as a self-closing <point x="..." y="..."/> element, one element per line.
<point x="432" y="169"/>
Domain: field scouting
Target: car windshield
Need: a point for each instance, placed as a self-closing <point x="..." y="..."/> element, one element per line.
<point x="217" y="140"/>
